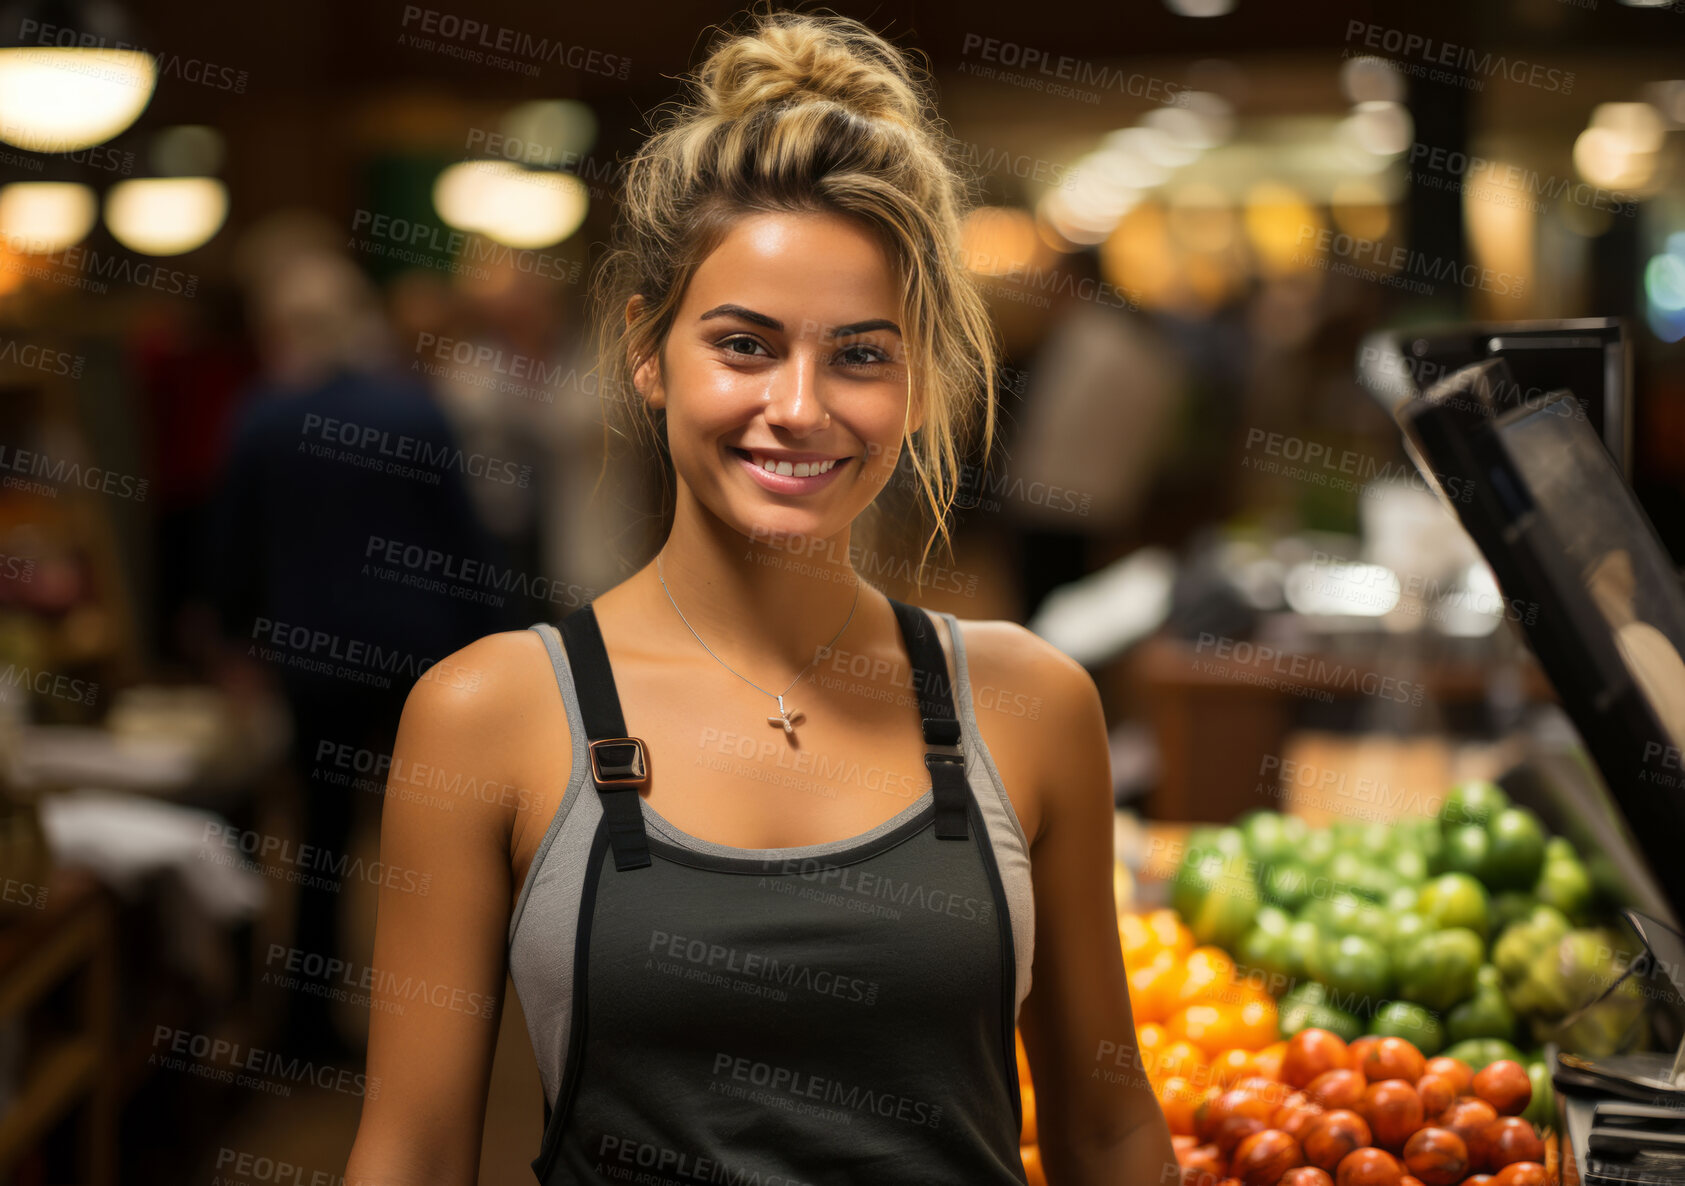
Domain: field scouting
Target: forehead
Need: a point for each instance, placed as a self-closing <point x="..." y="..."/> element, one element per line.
<point x="820" y="266"/>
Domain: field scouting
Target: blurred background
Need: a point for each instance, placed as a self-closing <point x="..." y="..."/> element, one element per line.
<point x="296" y="399"/>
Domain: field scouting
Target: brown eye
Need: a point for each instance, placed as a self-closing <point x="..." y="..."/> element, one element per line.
<point x="729" y="345"/>
<point x="862" y="355"/>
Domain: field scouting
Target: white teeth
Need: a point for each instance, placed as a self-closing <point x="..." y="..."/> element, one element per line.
<point x="800" y="469"/>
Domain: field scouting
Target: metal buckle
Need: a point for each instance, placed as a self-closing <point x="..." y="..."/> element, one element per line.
<point x="947" y="751"/>
<point x="619" y="762"/>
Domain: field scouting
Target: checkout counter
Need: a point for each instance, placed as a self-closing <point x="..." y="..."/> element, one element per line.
<point x="1540" y="490"/>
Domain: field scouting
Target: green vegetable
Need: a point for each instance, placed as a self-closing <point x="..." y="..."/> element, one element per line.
<point x="1456" y="900"/>
<point x="1565" y="884"/>
<point x="1225" y="904"/>
<point x="1410" y="864"/>
<point x="1354" y="968"/>
<point x="1407" y="1020"/>
<point x="1541" y="1109"/>
<point x="1303" y="937"/>
<point x="1307" y="1006"/>
<point x="1517" y="851"/>
<point x="1473" y="802"/>
<point x="1478" y="1052"/>
<point x="1265" y="945"/>
<point x="1521" y="941"/>
<point x="1486" y="1014"/>
<point x="1403" y="931"/>
<point x="1440" y="969"/>
<point x="1468" y="849"/>
<point x="1511" y="906"/>
<point x="1287" y="885"/>
<point x="1272" y="837"/>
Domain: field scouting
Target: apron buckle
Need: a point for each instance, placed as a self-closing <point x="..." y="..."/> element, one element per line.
<point x="619" y="762"/>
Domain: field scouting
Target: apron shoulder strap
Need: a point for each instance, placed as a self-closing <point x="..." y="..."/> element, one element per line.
<point x="945" y="756"/>
<point x="619" y="764"/>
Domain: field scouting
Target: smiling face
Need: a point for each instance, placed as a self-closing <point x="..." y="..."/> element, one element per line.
<point x="786" y="349"/>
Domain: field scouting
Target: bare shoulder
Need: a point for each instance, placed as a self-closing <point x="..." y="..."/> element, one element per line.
<point x="1009" y="656"/>
<point x="1022" y="686"/>
<point x="476" y="719"/>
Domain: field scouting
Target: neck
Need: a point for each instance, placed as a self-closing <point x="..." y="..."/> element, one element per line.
<point x="767" y="601"/>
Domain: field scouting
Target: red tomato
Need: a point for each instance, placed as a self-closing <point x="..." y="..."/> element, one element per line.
<point x="1454" y="1069"/>
<point x="1232" y="1130"/>
<point x="1509" y="1139"/>
<point x="1306" y="1175"/>
<point x="1298" y="1122"/>
<point x="1310" y="1052"/>
<point x="1438" y="1156"/>
<point x="1369" y="1167"/>
<point x="1393" y="1110"/>
<point x="1202" y="1157"/>
<point x="1521" y="1173"/>
<point x="1332" y="1136"/>
<point x="1338" y="1089"/>
<point x="1211" y="1113"/>
<point x="1263" y="1157"/>
<point x="1437" y="1092"/>
<point x="1504" y="1085"/>
<point x="1360" y="1049"/>
<point x="1392" y="1058"/>
<point x="1466" y="1117"/>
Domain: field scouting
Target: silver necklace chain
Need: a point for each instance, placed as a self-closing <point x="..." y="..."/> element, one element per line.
<point x="785" y="717"/>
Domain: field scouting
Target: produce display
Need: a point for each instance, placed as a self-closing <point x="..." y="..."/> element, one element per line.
<point x="1364" y="1004"/>
<point x="1371" y="1112"/>
<point x="1473" y="933"/>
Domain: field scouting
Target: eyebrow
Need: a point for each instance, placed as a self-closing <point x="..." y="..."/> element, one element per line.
<point x="772" y="323"/>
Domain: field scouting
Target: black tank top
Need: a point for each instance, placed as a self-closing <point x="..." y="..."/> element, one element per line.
<point x="771" y="1022"/>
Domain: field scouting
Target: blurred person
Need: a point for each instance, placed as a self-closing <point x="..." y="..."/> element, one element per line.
<point x="794" y="965"/>
<point x="498" y="377"/>
<point x="344" y="557"/>
<point x="1091" y="432"/>
<point x="191" y="361"/>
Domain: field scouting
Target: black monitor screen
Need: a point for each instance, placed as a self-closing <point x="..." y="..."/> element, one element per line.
<point x="1586" y="357"/>
<point x="1612" y="551"/>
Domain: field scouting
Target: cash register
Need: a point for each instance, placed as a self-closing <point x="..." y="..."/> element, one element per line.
<point x="1563" y="532"/>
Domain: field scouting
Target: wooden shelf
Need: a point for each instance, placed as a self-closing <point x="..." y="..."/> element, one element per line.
<point x="61" y="1077"/>
<point x="68" y="947"/>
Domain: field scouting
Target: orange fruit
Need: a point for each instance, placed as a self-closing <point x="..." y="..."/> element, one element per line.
<point x="1178" y="1096"/>
<point x="1178" y="1058"/>
<point x="1153" y="988"/>
<point x="1196" y="1024"/>
<point x="1268" y="1060"/>
<point x="1138" y="942"/>
<point x="1233" y="1064"/>
<point x="1216" y="1028"/>
<point x="1172" y="933"/>
<point x="1150" y="1040"/>
<point x="1208" y="975"/>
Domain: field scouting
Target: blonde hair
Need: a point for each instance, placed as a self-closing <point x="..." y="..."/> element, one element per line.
<point x="808" y="112"/>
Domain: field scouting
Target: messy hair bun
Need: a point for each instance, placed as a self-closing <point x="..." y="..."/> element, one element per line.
<point x="791" y="59"/>
<point x="808" y="111"/>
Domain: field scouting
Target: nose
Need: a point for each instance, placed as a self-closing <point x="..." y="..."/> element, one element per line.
<point x="793" y="398"/>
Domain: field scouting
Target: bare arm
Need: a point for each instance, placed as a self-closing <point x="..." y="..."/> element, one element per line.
<point x="1097" y="1120"/>
<point x="445" y="898"/>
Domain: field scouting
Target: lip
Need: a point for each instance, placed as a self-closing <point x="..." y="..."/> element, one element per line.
<point x="789" y="483"/>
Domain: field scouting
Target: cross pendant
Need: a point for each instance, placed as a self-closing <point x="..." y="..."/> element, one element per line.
<point x="785" y="717"/>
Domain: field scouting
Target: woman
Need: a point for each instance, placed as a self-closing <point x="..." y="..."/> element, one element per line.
<point x="779" y="926"/>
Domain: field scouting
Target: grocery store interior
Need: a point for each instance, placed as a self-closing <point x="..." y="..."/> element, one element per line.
<point x="1342" y="442"/>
